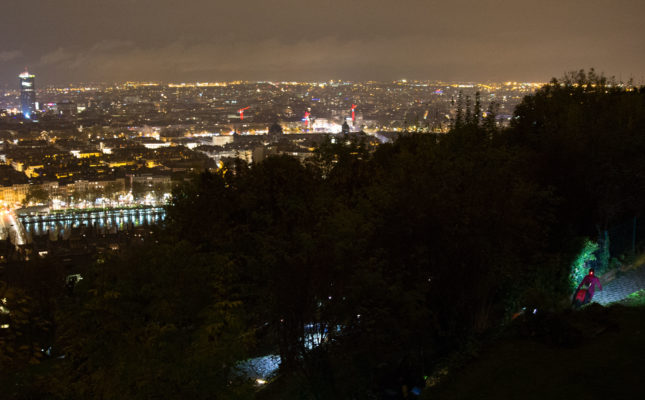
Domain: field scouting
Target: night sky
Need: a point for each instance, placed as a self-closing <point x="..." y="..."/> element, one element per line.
<point x="208" y="40"/>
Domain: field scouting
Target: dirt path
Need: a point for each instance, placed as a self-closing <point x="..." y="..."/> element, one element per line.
<point x="622" y="286"/>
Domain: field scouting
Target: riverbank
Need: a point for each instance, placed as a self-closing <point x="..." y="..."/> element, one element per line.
<point x="46" y="210"/>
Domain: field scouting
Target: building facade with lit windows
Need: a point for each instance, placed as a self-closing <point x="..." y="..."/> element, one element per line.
<point x="27" y="94"/>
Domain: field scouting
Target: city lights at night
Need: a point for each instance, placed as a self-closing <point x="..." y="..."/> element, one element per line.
<point x="322" y="200"/>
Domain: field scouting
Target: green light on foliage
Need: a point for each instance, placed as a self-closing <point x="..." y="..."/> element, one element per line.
<point x="578" y="268"/>
<point x="636" y="299"/>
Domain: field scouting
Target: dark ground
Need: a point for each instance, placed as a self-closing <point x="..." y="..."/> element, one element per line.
<point x="596" y="353"/>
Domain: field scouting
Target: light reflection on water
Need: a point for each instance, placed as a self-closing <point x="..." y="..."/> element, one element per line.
<point x="105" y="221"/>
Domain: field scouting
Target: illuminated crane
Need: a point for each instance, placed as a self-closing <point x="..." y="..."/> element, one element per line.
<point x="241" y="111"/>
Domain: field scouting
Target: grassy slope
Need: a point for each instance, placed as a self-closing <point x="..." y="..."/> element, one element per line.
<point x="605" y="362"/>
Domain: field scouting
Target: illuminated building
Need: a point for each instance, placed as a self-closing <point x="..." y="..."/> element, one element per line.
<point x="27" y="94"/>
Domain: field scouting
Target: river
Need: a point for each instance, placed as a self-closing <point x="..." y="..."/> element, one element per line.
<point x="106" y="220"/>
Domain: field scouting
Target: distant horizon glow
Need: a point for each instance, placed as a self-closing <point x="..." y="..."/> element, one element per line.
<point x="82" y="86"/>
<point x="461" y="40"/>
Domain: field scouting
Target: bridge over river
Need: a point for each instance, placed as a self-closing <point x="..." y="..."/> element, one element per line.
<point x="22" y="227"/>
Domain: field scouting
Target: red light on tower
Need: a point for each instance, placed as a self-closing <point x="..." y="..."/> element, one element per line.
<point x="306" y="118"/>
<point x="353" y="114"/>
<point x="241" y="111"/>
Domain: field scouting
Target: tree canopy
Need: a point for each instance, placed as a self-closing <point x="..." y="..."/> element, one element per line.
<point x="360" y="268"/>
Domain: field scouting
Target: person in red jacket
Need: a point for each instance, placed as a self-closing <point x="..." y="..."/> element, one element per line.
<point x="587" y="288"/>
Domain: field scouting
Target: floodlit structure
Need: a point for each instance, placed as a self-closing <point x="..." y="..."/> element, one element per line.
<point x="241" y="112"/>
<point x="27" y="94"/>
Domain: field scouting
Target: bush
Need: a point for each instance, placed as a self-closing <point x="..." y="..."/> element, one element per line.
<point x="579" y="267"/>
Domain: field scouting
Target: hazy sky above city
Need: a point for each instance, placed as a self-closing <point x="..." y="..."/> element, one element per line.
<point x="208" y="40"/>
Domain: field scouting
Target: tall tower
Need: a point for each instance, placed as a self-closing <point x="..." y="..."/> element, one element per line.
<point x="27" y="94"/>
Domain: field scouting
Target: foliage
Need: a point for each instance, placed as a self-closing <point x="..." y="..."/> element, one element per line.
<point x="519" y="366"/>
<point x="275" y="129"/>
<point x="636" y="299"/>
<point x="160" y="321"/>
<point x="37" y="195"/>
<point x="603" y="256"/>
<point x="394" y="258"/>
<point x="586" y="132"/>
<point x="384" y="245"/>
<point x="265" y="219"/>
<point x="113" y="189"/>
<point x="158" y="189"/>
<point x="580" y="266"/>
<point x="28" y="297"/>
<point x="20" y="324"/>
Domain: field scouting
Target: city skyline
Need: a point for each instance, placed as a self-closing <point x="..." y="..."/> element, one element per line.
<point x="492" y="40"/>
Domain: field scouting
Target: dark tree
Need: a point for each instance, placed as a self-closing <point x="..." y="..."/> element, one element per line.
<point x="275" y="129"/>
<point x="345" y="128"/>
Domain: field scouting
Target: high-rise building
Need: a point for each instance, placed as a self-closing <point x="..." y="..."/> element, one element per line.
<point x="27" y="94"/>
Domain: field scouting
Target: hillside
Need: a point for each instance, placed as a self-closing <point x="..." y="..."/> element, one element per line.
<point x="591" y="354"/>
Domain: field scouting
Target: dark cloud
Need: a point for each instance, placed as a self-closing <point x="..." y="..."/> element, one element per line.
<point x="10" y="55"/>
<point x="74" y="40"/>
